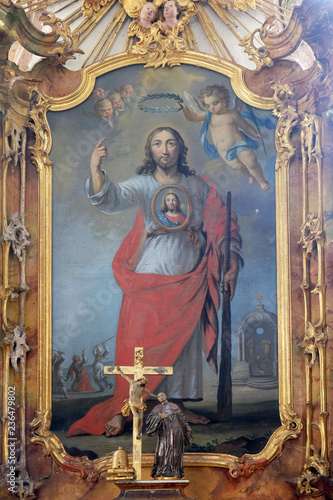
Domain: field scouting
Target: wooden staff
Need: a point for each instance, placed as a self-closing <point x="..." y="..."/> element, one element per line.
<point x="224" y="393"/>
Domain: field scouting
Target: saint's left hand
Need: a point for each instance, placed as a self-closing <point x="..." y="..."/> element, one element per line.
<point x="230" y="278"/>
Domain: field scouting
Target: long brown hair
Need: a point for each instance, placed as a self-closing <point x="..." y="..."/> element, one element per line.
<point x="149" y="165"/>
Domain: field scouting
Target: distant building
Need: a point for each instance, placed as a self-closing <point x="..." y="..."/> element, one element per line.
<point x="257" y="363"/>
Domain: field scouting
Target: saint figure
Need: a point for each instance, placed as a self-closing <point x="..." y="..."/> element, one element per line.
<point x="81" y="382"/>
<point x="173" y="434"/>
<point x="170" y="279"/>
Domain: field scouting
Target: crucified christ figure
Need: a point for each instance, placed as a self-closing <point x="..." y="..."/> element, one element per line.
<point x="135" y="403"/>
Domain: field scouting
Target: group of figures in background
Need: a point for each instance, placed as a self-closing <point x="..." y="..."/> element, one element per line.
<point x="77" y="372"/>
<point x="108" y="105"/>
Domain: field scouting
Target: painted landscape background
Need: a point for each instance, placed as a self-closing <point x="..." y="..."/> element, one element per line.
<point x="86" y="298"/>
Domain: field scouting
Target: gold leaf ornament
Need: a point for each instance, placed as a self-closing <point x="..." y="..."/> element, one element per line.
<point x="91" y="7"/>
<point x="244" y="4"/>
<point x="133" y="7"/>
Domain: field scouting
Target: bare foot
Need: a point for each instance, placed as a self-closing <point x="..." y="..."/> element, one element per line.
<point x="251" y="181"/>
<point x="115" y="426"/>
<point x="265" y="185"/>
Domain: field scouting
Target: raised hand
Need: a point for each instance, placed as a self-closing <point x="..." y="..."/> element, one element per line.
<point x="99" y="152"/>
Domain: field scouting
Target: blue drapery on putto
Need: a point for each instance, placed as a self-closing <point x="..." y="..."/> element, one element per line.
<point x="249" y="142"/>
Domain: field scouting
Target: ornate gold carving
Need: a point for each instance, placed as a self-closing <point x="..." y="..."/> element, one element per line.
<point x="61" y="53"/>
<point x="89" y="75"/>
<point x="42" y="435"/>
<point x="133" y="7"/>
<point x="312" y="339"/>
<point x="40" y="156"/>
<point x="290" y="420"/>
<point x="238" y="4"/>
<point x="42" y="147"/>
<point x="102" y="44"/>
<point x="259" y="55"/>
<point x="315" y="337"/>
<point x="16" y="94"/>
<point x="5" y="292"/>
<point x="285" y="110"/>
<point x="158" y="46"/>
<point x="59" y="46"/>
<point x="15" y="25"/>
<point x="311" y="233"/>
<point x="41" y="423"/>
<point x="315" y="466"/>
<point x="244" y="4"/>
<point x="290" y="423"/>
<point x="90" y="7"/>
<point x="304" y="483"/>
<point x="291" y="427"/>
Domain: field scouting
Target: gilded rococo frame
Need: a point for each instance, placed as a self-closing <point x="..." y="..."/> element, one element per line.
<point x="25" y="108"/>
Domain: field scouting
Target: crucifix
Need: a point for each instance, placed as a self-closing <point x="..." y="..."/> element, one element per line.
<point x="135" y="402"/>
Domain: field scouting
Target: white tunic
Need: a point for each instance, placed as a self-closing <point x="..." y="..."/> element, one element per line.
<point x="168" y="254"/>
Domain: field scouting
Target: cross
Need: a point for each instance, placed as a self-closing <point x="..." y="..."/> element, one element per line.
<point x="138" y="370"/>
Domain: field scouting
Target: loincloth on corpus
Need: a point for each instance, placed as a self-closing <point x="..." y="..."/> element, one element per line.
<point x="126" y="409"/>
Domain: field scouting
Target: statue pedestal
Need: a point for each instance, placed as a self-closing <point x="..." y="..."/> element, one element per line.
<point x="167" y="489"/>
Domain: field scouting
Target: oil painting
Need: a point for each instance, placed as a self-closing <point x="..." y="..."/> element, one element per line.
<point x="142" y="233"/>
<point x="166" y="207"/>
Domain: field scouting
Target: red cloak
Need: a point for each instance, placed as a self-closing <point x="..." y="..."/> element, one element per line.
<point x="159" y="313"/>
<point x="84" y="382"/>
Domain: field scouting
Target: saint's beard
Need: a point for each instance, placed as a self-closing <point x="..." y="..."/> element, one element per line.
<point x="165" y="166"/>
